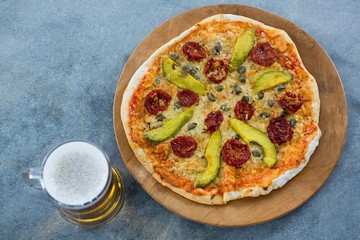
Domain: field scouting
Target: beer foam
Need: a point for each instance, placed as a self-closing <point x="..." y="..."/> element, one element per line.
<point x="75" y="173"/>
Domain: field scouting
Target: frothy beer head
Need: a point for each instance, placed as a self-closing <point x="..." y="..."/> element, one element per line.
<point x="75" y="173"/>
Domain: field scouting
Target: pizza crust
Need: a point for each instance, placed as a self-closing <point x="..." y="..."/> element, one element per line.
<point x="246" y="192"/>
<point x="207" y="199"/>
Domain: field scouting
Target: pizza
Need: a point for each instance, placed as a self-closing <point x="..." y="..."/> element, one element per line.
<point x="225" y="110"/>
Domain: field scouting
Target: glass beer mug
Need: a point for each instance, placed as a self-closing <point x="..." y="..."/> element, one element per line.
<point x="79" y="179"/>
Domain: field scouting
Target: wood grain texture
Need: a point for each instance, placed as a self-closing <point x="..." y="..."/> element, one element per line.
<point x="247" y="211"/>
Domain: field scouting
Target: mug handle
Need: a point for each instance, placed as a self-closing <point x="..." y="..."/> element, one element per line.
<point x="32" y="177"/>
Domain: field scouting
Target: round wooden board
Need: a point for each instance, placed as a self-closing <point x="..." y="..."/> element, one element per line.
<point x="247" y="211"/>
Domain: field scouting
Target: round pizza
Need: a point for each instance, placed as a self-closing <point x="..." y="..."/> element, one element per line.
<point x="225" y="110"/>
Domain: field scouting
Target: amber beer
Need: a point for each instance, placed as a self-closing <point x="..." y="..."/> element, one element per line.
<point x="104" y="209"/>
<point x="87" y="190"/>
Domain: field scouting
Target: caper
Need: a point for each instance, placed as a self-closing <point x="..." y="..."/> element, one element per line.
<point x="284" y="114"/>
<point x="260" y="95"/>
<point x="281" y="87"/>
<point x="245" y="98"/>
<point x="237" y="90"/>
<point x="158" y="80"/>
<point x="177" y="104"/>
<point x="225" y="107"/>
<point x="192" y="126"/>
<point x="271" y="102"/>
<point x="174" y="56"/>
<point x="264" y="114"/>
<point x="214" y="52"/>
<point x="219" y="88"/>
<point x="242" y="79"/>
<point x="236" y="136"/>
<point x="193" y="71"/>
<point x="241" y="69"/>
<point x="160" y="117"/>
<point x="256" y="153"/>
<point x="186" y="68"/>
<point x="218" y="46"/>
<point x="211" y="97"/>
<point x="292" y="122"/>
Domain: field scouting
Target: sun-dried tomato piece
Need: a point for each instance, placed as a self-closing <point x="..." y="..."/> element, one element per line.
<point x="234" y="153"/>
<point x="216" y="70"/>
<point x="263" y="54"/>
<point x="193" y="51"/>
<point x="187" y="98"/>
<point x="291" y="102"/>
<point x="213" y="120"/>
<point x="279" y="130"/>
<point x="244" y="110"/>
<point x="183" y="146"/>
<point x="156" y="101"/>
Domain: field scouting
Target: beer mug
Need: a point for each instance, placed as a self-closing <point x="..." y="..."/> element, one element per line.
<point x="77" y="176"/>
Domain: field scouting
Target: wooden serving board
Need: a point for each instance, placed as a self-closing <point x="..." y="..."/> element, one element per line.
<point x="247" y="211"/>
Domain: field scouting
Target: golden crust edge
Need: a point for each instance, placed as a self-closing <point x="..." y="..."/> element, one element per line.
<point x="205" y="199"/>
<point x="246" y="192"/>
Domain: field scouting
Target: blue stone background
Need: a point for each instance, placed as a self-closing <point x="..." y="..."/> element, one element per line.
<point x="59" y="67"/>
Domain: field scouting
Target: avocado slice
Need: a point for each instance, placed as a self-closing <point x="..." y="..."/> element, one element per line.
<point x="170" y="127"/>
<point x="243" y="46"/>
<point x="212" y="155"/>
<point x="250" y="134"/>
<point x="175" y="74"/>
<point x="271" y="79"/>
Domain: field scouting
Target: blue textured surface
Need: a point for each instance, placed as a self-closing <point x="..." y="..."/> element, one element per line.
<point x="59" y="66"/>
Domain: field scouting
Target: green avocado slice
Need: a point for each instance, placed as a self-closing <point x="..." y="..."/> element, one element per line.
<point x="250" y="134"/>
<point x="271" y="79"/>
<point x="170" y="127"/>
<point x="212" y="155"/>
<point x="175" y="74"/>
<point x="243" y="46"/>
